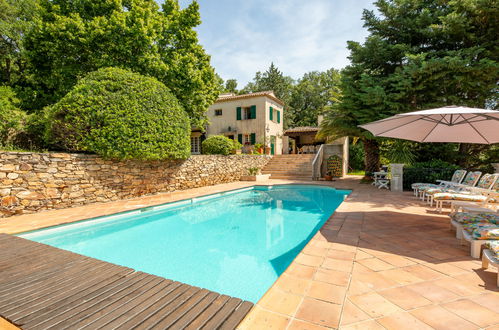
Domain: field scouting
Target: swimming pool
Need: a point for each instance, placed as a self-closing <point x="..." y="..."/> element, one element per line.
<point x="236" y="243"/>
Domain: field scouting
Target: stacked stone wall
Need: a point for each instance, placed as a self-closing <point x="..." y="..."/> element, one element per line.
<point x="30" y="182"/>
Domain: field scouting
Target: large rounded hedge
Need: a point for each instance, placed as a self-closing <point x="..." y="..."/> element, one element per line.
<point x="119" y="114"/>
<point x="218" y="145"/>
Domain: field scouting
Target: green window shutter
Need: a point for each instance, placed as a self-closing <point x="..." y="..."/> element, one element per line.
<point x="253" y="138"/>
<point x="278" y="117"/>
<point x="240" y="138"/>
<point x="271" y="113"/>
<point x="253" y="112"/>
<point x="238" y="113"/>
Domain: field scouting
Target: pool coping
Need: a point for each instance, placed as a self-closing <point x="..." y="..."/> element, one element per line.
<point x="28" y="222"/>
<point x="166" y="205"/>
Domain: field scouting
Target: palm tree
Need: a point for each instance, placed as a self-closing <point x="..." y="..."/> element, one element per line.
<point x="337" y="124"/>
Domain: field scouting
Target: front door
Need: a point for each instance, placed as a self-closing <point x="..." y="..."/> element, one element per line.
<point x="272" y="145"/>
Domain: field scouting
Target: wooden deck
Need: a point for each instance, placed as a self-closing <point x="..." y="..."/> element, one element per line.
<point x="44" y="287"/>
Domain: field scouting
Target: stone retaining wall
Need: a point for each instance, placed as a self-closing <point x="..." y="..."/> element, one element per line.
<point x="35" y="181"/>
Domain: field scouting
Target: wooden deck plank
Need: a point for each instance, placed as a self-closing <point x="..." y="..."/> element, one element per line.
<point x="40" y="260"/>
<point x="113" y="320"/>
<point x="42" y="286"/>
<point x="237" y="316"/>
<point x="95" y="306"/>
<point x="127" y="300"/>
<point x="170" y="307"/>
<point x="219" y="318"/>
<point x="72" y="298"/>
<point x="192" y="313"/>
<point x="39" y="299"/>
<point x="54" y="317"/>
<point x="181" y="310"/>
<point x="149" y="312"/>
<point x="208" y="313"/>
<point x="37" y="276"/>
<point x="29" y="294"/>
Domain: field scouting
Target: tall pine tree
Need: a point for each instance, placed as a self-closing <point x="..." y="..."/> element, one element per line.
<point x="273" y="80"/>
<point x="419" y="54"/>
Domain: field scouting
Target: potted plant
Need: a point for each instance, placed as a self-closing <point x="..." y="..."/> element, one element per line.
<point x="259" y="148"/>
<point x="236" y="147"/>
<point x="328" y="176"/>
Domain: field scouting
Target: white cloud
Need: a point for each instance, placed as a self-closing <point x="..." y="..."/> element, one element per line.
<point x="298" y="36"/>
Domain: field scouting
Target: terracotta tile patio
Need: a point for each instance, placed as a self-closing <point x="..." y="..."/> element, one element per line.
<point x="382" y="261"/>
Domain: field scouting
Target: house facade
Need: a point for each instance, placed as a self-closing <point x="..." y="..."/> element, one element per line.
<point x="255" y="118"/>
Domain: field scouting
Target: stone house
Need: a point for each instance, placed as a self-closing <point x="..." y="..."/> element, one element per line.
<point x="249" y="118"/>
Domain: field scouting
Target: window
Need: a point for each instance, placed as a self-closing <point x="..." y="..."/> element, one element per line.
<point x="195" y="145"/>
<point x="218" y="112"/>
<point x="275" y="115"/>
<point x="246" y="139"/>
<point x="247" y="113"/>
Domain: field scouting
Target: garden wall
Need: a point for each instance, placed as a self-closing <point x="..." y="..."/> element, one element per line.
<point x="35" y="181"/>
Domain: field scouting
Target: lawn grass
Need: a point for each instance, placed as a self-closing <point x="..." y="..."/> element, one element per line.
<point x="357" y="173"/>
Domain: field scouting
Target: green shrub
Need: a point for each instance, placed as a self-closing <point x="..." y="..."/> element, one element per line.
<point x="12" y="119"/>
<point x="356" y="152"/>
<point x="219" y="145"/>
<point x="429" y="172"/>
<point x="119" y="114"/>
<point x="32" y="137"/>
<point x="236" y="145"/>
<point x="253" y="170"/>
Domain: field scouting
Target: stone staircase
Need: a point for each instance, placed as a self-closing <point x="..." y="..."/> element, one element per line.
<point x="292" y="167"/>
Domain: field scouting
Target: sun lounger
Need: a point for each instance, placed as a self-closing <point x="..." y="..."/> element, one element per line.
<point x="476" y="195"/>
<point x="457" y="177"/>
<point x="478" y="234"/>
<point x="491" y="256"/>
<point x="471" y="179"/>
<point x="459" y="219"/>
<point x="477" y="207"/>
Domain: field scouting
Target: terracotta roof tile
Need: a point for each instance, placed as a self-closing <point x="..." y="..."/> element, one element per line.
<point x="302" y="129"/>
<point x="232" y="97"/>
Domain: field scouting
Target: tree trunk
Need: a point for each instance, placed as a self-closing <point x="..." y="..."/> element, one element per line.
<point x="469" y="155"/>
<point x="371" y="156"/>
<point x="463" y="152"/>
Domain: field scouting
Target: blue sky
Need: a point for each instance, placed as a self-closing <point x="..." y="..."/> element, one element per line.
<point x="245" y="36"/>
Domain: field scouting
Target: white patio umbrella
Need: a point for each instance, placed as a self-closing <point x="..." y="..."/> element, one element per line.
<point x="447" y="124"/>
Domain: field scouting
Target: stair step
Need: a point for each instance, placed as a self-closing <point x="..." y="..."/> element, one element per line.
<point x="291" y="177"/>
<point x="286" y="170"/>
<point x="290" y="167"/>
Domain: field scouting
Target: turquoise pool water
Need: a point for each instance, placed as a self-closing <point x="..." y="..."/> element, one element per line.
<point x="236" y="243"/>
